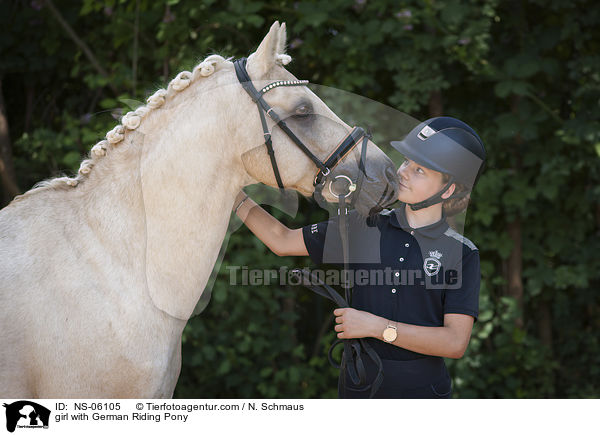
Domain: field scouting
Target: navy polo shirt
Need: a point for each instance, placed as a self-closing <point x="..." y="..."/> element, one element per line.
<point x="409" y="275"/>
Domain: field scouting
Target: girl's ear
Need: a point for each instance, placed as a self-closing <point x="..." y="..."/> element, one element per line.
<point x="449" y="192"/>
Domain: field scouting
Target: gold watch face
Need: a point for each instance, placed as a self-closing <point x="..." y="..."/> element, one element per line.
<point x="389" y="334"/>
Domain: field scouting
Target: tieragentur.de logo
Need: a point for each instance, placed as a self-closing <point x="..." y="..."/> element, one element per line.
<point x="27" y="415"/>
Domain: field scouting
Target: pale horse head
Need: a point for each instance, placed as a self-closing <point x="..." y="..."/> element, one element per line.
<point x="209" y="144"/>
<point x="314" y="124"/>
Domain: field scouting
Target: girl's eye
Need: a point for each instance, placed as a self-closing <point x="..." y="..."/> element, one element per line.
<point x="420" y="171"/>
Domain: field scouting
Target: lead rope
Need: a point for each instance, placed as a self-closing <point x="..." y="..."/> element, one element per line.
<point x="351" y="361"/>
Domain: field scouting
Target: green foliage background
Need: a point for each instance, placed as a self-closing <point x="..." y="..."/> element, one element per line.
<point x="525" y="74"/>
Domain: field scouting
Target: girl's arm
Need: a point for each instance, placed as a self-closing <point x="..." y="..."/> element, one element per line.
<point x="280" y="239"/>
<point x="450" y="340"/>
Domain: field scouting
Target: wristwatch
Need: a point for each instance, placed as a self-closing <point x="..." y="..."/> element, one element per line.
<point x="390" y="333"/>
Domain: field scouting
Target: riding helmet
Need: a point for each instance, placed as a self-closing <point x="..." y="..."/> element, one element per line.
<point x="447" y="145"/>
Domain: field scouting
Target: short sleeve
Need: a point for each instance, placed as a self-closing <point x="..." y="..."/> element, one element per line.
<point x="465" y="298"/>
<point x="324" y="243"/>
<point x="314" y="239"/>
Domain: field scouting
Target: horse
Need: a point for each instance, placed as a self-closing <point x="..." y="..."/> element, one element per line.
<point x="99" y="272"/>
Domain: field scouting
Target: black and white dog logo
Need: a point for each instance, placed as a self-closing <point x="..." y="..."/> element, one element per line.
<point x="26" y="414"/>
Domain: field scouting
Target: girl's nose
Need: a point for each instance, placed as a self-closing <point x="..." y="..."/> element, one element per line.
<point x="402" y="172"/>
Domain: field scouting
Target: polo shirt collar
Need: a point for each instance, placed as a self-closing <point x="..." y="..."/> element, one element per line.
<point x="435" y="230"/>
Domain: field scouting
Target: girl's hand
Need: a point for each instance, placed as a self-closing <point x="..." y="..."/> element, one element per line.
<point x="352" y="323"/>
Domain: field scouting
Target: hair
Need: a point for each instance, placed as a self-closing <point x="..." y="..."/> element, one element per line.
<point x="130" y="121"/>
<point x="454" y="206"/>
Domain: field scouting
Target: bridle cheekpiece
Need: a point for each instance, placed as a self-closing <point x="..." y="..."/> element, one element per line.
<point x="324" y="168"/>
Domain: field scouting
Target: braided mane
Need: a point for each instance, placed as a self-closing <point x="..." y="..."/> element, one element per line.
<point x="130" y="121"/>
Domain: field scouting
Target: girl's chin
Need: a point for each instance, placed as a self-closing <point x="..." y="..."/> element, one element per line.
<point x="405" y="198"/>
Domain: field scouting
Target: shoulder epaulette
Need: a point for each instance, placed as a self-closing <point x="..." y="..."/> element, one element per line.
<point x="452" y="233"/>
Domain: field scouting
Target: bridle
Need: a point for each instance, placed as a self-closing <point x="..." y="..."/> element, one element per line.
<point x="323" y="168"/>
<point x="353" y="348"/>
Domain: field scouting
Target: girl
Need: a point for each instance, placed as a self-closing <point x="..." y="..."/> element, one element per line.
<point x="424" y="306"/>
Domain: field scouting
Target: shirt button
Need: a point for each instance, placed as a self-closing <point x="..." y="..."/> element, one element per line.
<point x="401" y="259"/>
<point x="412" y="232"/>
<point x="406" y="245"/>
<point x="393" y="290"/>
<point x="397" y="274"/>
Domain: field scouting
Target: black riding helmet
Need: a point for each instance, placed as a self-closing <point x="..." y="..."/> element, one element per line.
<point x="446" y="145"/>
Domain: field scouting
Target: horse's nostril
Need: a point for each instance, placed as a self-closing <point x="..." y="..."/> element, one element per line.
<point x="390" y="174"/>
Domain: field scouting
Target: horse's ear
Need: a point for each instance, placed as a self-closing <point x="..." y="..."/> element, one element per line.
<point x="281" y="42"/>
<point x="280" y="57"/>
<point x="261" y="61"/>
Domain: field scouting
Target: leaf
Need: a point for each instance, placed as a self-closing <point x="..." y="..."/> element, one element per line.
<point x="72" y="160"/>
<point x="503" y="89"/>
<point x="453" y="12"/>
<point x="520" y="88"/>
<point x="255" y="20"/>
<point x="108" y="103"/>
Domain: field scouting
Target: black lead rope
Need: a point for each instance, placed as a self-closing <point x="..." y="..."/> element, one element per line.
<point x="354" y="348"/>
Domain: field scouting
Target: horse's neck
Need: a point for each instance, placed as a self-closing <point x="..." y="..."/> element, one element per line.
<point x="187" y="211"/>
<point x="111" y="203"/>
<point x="171" y="209"/>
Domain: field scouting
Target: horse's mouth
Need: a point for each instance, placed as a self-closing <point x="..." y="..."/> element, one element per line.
<point x="305" y="192"/>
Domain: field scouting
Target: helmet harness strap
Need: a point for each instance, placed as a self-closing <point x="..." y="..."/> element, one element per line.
<point x="437" y="198"/>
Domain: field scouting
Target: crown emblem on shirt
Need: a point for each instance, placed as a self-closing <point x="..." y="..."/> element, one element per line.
<point x="435" y="254"/>
<point x="432" y="264"/>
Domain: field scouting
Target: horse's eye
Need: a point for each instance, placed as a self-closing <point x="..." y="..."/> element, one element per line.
<point x="303" y="111"/>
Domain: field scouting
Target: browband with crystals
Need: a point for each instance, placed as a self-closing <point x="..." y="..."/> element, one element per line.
<point x="283" y="83"/>
<point x="263" y="107"/>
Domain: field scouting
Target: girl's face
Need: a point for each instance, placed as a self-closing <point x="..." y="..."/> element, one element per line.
<point x="417" y="183"/>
